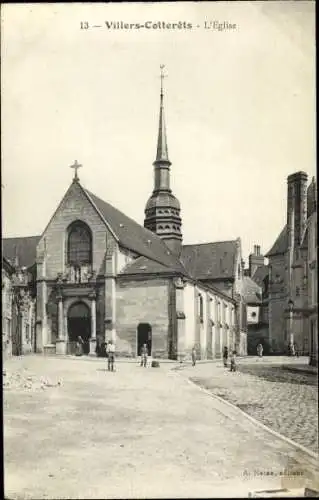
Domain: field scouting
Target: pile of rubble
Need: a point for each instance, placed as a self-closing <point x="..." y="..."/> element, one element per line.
<point x="17" y="380"/>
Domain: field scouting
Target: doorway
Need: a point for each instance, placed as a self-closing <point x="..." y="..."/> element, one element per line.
<point x="79" y="324"/>
<point x="144" y="336"/>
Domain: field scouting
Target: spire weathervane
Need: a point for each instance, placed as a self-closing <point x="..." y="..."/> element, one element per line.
<point x="76" y="166"/>
<point x="162" y="66"/>
<point x="162" y="153"/>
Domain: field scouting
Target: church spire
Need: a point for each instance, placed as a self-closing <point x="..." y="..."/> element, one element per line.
<point x="162" y="151"/>
<point x="162" y="211"/>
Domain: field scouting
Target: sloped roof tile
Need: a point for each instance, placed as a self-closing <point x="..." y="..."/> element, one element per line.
<point x="143" y="265"/>
<point x="25" y="248"/>
<point x="214" y="260"/>
<point x="260" y="274"/>
<point x="251" y="291"/>
<point x="281" y="244"/>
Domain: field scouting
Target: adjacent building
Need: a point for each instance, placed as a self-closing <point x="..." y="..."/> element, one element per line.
<point x="293" y="273"/>
<point x="255" y="291"/>
<point x="18" y="307"/>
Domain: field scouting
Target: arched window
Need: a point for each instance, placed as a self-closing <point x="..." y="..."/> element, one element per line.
<point x="79" y="244"/>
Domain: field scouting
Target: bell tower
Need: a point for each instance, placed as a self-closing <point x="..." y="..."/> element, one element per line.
<point x="162" y="210"/>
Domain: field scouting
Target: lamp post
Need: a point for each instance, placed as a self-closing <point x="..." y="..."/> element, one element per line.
<point x="290" y="338"/>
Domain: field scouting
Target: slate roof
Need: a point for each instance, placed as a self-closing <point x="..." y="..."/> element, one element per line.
<point x="24" y="247"/>
<point x="281" y="244"/>
<point x="260" y="274"/>
<point x="210" y="260"/>
<point x="251" y="291"/>
<point x="143" y="265"/>
<point x="135" y="237"/>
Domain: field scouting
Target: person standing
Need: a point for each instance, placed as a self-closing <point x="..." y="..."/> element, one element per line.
<point x="194" y="356"/>
<point x="110" y="355"/>
<point x="225" y="355"/>
<point x="144" y="354"/>
<point x="79" y="346"/>
<point x="233" y="364"/>
<point x="260" y="350"/>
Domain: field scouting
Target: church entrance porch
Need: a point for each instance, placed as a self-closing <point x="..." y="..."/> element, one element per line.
<point x="79" y="324"/>
<point x="144" y="336"/>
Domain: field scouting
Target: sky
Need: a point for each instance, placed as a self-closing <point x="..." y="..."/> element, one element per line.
<point x="239" y="109"/>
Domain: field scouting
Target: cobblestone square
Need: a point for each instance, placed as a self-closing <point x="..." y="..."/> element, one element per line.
<point x="283" y="400"/>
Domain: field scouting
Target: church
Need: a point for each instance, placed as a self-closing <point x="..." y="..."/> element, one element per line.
<point x="98" y="274"/>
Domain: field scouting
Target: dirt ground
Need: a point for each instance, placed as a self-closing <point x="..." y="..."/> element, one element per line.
<point x="74" y="430"/>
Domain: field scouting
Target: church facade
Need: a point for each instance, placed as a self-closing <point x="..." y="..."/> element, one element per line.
<point x="100" y="275"/>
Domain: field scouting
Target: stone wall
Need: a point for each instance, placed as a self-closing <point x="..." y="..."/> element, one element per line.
<point x="191" y="331"/>
<point x="144" y="301"/>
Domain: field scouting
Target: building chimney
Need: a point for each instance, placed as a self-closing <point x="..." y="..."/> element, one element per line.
<point x="297" y="204"/>
<point x="255" y="260"/>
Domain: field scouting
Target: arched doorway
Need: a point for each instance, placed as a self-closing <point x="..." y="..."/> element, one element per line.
<point x="144" y="336"/>
<point x="79" y="324"/>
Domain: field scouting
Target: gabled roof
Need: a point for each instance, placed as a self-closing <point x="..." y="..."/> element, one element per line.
<point x="251" y="291"/>
<point x="25" y="248"/>
<point x="133" y="236"/>
<point x="260" y="274"/>
<point x="281" y="244"/>
<point x="210" y="260"/>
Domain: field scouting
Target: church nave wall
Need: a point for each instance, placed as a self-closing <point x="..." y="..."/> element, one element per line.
<point x="144" y="301"/>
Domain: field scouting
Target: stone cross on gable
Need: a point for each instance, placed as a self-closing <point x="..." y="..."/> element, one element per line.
<point x="76" y="166"/>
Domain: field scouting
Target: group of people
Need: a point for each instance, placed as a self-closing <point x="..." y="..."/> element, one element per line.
<point x="233" y="364"/>
<point x="292" y="350"/>
<point x="108" y="347"/>
<point x="233" y="355"/>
